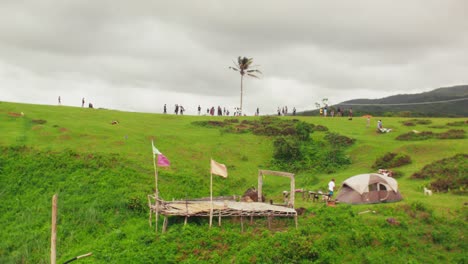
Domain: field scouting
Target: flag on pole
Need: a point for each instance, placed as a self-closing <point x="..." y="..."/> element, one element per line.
<point x="162" y="160"/>
<point x="218" y="169"/>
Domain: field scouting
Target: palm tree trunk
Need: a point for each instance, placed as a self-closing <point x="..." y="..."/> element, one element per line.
<point x="242" y="80"/>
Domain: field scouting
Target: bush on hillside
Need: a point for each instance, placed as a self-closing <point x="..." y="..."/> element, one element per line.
<point x="459" y="123"/>
<point x="452" y="134"/>
<point x="413" y="122"/>
<point x="448" y="174"/>
<point x="337" y="140"/>
<point x="412" y="136"/>
<point x="391" y="160"/>
<point x="320" y="128"/>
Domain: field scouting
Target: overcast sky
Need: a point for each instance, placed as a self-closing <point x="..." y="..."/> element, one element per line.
<point x="140" y="55"/>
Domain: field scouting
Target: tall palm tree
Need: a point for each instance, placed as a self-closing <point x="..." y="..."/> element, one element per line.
<point x="244" y="66"/>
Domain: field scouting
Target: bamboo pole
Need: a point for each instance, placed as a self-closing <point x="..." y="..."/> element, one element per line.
<point x="166" y="220"/>
<point x="53" y="237"/>
<point x="156" y="193"/>
<point x="211" y="198"/>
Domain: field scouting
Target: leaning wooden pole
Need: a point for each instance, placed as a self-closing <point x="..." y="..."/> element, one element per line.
<point x="53" y="237"/>
<point x="156" y="193"/>
<point x="211" y="198"/>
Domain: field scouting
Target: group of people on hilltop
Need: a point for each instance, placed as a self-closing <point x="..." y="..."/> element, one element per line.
<point x="324" y="111"/>
<point x="284" y="111"/>
<point x="90" y="105"/>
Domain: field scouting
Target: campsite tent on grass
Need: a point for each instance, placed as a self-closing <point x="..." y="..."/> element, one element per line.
<point x="369" y="188"/>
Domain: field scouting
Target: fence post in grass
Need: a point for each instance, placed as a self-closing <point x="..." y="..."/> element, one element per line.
<point x="53" y="237"/>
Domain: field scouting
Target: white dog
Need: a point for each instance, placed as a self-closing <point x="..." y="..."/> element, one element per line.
<point x="427" y="191"/>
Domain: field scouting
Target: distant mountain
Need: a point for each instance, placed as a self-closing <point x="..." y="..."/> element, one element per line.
<point x="446" y="101"/>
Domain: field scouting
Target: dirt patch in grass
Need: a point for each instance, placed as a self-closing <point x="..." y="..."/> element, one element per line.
<point x="37" y="127"/>
<point x="38" y="121"/>
<point x="64" y="137"/>
<point x="62" y="129"/>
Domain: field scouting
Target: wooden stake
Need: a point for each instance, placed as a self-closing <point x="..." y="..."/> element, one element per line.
<point x="242" y="224"/>
<point x="156" y="193"/>
<point x="166" y="220"/>
<point x="219" y="218"/>
<point x="185" y="221"/>
<point x="211" y="198"/>
<point x="53" y="237"/>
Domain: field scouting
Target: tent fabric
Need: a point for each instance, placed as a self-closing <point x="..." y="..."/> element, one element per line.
<point x="360" y="183"/>
<point x="369" y="188"/>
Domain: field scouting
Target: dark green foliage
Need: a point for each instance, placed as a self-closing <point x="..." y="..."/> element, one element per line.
<point x="411" y="136"/>
<point x="391" y="160"/>
<point x="449" y="174"/>
<point x="303" y="130"/>
<point x="320" y="128"/>
<point x="38" y="121"/>
<point x="450" y="134"/>
<point x="459" y="123"/>
<point x="287" y="149"/>
<point x="337" y="140"/>
<point x="413" y="122"/>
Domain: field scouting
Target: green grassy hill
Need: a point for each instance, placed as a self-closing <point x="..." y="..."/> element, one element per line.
<point x="103" y="174"/>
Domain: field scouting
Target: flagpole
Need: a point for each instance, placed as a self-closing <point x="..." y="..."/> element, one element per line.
<point x="156" y="193"/>
<point x="211" y="198"/>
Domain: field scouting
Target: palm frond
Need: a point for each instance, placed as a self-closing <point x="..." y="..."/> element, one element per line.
<point x="254" y="70"/>
<point x="233" y="68"/>
<point x="252" y="75"/>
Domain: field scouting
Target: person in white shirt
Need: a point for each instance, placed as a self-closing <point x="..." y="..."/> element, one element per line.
<point x="331" y="188"/>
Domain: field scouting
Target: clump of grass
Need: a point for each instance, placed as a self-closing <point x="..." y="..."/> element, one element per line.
<point x="446" y="174"/>
<point x="459" y="123"/>
<point x="39" y="121"/>
<point x="391" y="160"/>
<point x="452" y="134"/>
<point x="413" y="122"/>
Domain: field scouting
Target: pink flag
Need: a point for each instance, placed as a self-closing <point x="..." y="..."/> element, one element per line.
<point x="218" y="169"/>
<point x="163" y="161"/>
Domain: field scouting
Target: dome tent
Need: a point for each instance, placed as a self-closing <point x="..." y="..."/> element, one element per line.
<point x="369" y="188"/>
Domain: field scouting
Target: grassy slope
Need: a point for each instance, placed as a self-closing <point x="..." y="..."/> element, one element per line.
<point x="125" y="235"/>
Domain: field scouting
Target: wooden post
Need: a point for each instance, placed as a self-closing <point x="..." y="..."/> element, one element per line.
<point x="53" y="237"/>
<point x="185" y="221"/>
<point x="211" y="198"/>
<point x="251" y="219"/>
<point x="150" y="213"/>
<point x="156" y="193"/>
<point x="219" y="218"/>
<point x="242" y="224"/>
<point x="260" y="185"/>
<point x="295" y="219"/>
<point x="293" y="191"/>
<point x="166" y="220"/>
<point x="269" y="221"/>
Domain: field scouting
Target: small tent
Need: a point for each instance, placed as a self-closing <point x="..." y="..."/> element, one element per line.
<point x="369" y="188"/>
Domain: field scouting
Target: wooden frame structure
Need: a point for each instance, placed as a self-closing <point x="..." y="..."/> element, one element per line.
<point x="281" y="174"/>
<point x="225" y="206"/>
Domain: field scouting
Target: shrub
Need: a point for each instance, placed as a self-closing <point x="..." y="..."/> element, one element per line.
<point x="286" y="148"/>
<point x="413" y="122"/>
<point x="39" y="121"/>
<point x="459" y="123"/>
<point x="452" y="134"/>
<point x="391" y="160"/>
<point x="448" y="174"/>
<point x="337" y="140"/>
<point x="411" y="136"/>
<point x="320" y="128"/>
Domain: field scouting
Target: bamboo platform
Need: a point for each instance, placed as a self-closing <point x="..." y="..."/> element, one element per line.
<point x="221" y="208"/>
